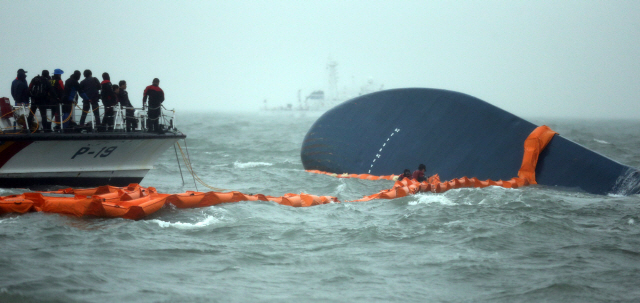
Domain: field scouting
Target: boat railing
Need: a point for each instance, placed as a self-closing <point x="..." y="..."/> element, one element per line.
<point x="14" y="119"/>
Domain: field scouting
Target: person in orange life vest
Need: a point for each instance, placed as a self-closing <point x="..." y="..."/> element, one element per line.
<point x="156" y="97"/>
<point x="418" y="175"/>
<point x="109" y="100"/>
<point x="405" y="175"/>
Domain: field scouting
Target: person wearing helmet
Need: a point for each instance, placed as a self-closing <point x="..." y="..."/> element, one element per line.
<point x="55" y="95"/>
<point x="20" y="89"/>
<point x="156" y="97"/>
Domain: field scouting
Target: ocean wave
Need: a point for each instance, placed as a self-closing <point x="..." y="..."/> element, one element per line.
<point x="8" y="220"/>
<point x="601" y="141"/>
<point x="208" y="220"/>
<point x="430" y="199"/>
<point x="250" y="164"/>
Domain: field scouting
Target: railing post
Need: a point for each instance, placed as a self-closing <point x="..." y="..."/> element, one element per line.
<point x="61" y="117"/>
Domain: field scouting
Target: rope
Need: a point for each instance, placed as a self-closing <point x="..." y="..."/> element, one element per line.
<point x="87" y="112"/>
<point x="11" y="112"/>
<point x="65" y="121"/>
<point x="193" y="173"/>
<point x="15" y="110"/>
<point x="34" y="117"/>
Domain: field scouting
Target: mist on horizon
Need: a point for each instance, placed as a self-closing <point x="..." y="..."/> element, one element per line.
<point x="533" y="59"/>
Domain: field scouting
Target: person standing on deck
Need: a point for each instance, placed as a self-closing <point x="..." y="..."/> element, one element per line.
<point x="156" y="97"/>
<point x="123" y="98"/>
<point x="55" y="95"/>
<point x="91" y="86"/>
<point x="109" y="100"/>
<point x="39" y="89"/>
<point x="20" y="89"/>
<point x="71" y="91"/>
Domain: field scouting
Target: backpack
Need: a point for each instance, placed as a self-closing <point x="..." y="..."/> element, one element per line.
<point x="38" y="88"/>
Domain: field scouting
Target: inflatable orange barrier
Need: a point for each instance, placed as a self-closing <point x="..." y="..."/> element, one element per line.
<point x="135" y="209"/>
<point x="356" y="176"/>
<point x="533" y="145"/>
<point x="135" y="202"/>
<point x="15" y="204"/>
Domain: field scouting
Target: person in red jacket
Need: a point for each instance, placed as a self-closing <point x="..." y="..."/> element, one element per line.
<point x="156" y="97"/>
<point x="418" y="175"/>
<point x="55" y="95"/>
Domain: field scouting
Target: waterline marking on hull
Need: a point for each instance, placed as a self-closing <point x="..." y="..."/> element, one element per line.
<point x="379" y="153"/>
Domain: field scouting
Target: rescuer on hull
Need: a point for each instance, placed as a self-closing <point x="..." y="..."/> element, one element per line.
<point x="418" y="175"/>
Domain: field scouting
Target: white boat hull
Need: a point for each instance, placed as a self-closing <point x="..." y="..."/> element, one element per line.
<point x="80" y="160"/>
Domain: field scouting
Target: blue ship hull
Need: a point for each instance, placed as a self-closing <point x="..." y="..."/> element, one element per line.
<point x="454" y="135"/>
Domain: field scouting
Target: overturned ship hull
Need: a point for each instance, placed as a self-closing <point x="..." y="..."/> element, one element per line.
<point x="454" y="135"/>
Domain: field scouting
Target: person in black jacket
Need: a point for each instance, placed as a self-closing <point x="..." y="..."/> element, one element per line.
<point x="123" y="98"/>
<point x="91" y="86"/>
<point x="20" y="89"/>
<point x="156" y="97"/>
<point x="405" y="175"/>
<point x="69" y="97"/>
<point x="109" y="100"/>
<point x="39" y="89"/>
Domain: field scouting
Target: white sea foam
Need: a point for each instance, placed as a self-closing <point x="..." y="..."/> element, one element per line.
<point x="250" y="164"/>
<point x="601" y="141"/>
<point x="340" y="188"/>
<point x="208" y="220"/>
<point x="8" y="220"/>
<point x="429" y="199"/>
<point x="632" y="221"/>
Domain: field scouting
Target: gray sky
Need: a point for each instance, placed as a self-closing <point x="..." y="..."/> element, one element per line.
<point x="532" y="58"/>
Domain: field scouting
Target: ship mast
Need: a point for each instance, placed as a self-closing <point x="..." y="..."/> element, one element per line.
<point x="333" y="80"/>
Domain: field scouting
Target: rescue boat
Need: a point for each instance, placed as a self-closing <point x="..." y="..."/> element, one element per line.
<point x="79" y="157"/>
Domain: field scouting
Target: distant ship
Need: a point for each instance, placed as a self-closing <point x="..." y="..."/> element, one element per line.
<point x="84" y="157"/>
<point x="319" y="101"/>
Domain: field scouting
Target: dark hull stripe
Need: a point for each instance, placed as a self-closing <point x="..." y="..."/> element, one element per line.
<point x="10" y="149"/>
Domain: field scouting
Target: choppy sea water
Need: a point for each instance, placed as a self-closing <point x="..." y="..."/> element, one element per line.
<point x="492" y="245"/>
